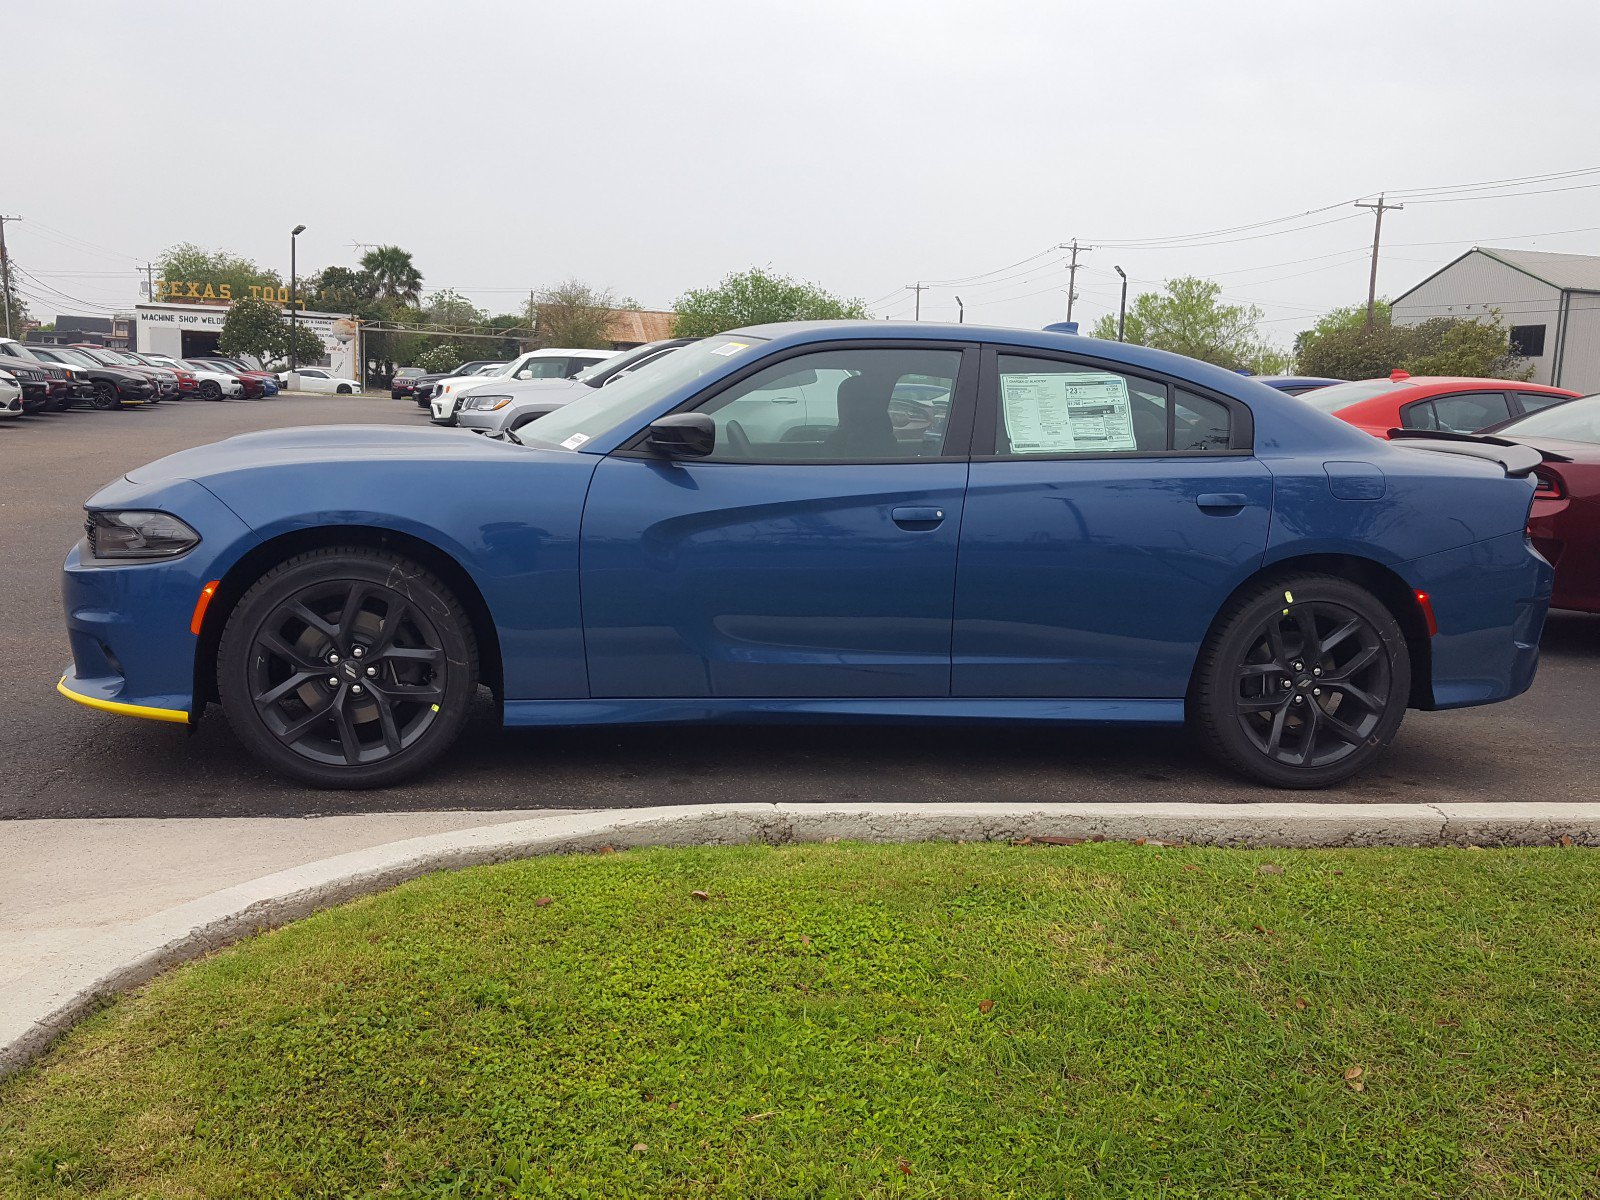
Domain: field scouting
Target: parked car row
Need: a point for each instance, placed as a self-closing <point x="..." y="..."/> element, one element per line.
<point x="444" y="393"/>
<point x="55" y="378"/>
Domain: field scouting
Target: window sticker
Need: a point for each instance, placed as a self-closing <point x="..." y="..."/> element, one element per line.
<point x="1061" y="414"/>
<point x="731" y="348"/>
<point x="576" y="440"/>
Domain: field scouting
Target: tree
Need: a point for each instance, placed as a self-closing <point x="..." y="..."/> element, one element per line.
<point x="444" y="357"/>
<point x="258" y="329"/>
<point x="755" y="297"/>
<point x="189" y="270"/>
<point x="341" y="290"/>
<point x="1340" y="346"/>
<point x="20" y="317"/>
<point x="574" y="315"/>
<point x="1189" y="318"/>
<point x="396" y="275"/>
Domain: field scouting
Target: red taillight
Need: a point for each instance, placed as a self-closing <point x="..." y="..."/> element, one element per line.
<point x="1428" y="619"/>
<point x="1547" y="485"/>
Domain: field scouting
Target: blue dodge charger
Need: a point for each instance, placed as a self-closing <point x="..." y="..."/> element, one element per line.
<point x="837" y="521"/>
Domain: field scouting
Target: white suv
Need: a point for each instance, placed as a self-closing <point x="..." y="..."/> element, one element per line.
<point x="535" y="364"/>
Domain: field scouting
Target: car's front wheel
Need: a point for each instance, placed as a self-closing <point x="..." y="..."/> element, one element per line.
<point x="347" y="667"/>
<point x="1303" y="682"/>
<point x="105" y="395"/>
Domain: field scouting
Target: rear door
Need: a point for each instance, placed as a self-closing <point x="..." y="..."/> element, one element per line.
<point x="801" y="558"/>
<point x="1108" y="517"/>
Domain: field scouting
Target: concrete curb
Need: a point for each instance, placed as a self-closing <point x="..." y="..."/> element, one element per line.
<point x="39" y="1007"/>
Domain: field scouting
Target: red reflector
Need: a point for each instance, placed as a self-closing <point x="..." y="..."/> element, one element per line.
<point x="210" y="589"/>
<point x="1428" y="618"/>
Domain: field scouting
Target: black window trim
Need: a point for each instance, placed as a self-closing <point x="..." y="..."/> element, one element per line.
<point x="1241" y="421"/>
<point x="958" y="438"/>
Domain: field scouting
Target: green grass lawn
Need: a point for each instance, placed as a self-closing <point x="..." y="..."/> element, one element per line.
<point x="849" y="1020"/>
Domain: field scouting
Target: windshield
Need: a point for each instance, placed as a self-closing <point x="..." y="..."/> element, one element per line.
<point x="1343" y="395"/>
<point x="589" y="416"/>
<point x="1574" y="421"/>
<point x="596" y="374"/>
<point x="73" y="358"/>
<point x="122" y="357"/>
<point x="408" y="372"/>
<point x="97" y="356"/>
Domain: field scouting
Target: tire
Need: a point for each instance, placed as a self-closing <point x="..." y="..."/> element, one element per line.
<point x="1302" y="683"/>
<point x="105" y="395"/>
<point x="342" y="390"/>
<point x="320" y="719"/>
<point x="210" y="389"/>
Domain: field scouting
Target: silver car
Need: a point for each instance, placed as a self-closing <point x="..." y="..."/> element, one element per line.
<point x="498" y="407"/>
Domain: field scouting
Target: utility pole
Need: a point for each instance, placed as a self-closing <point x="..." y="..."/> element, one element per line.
<point x="1122" y="308"/>
<point x="1072" y="273"/>
<point x="961" y="311"/>
<point x="149" y="281"/>
<point x="1377" y="232"/>
<point x="918" y="288"/>
<point x="5" y="270"/>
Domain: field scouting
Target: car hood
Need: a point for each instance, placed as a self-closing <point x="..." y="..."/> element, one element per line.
<point x="324" y="444"/>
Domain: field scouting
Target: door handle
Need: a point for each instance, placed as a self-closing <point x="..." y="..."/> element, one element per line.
<point x="785" y="400"/>
<point x="917" y="518"/>
<point x="1221" y="500"/>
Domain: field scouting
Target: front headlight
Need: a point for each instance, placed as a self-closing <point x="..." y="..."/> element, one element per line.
<point x="138" y="534"/>
<point x="486" y="403"/>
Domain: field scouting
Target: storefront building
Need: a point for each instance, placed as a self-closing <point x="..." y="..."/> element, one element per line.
<point x="185" y="330"/>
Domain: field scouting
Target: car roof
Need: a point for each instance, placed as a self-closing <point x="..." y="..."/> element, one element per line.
<point x="1447" y="382"/>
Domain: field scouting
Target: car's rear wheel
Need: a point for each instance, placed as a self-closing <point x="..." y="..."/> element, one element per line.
<point x="210" y="389"/>
<point x="347" y="667"/>
<point x="1303" y="682"/>
<point x="105" y="395"/>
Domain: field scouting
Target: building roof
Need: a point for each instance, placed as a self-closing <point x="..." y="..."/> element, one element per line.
<point x="1569" y="272"/>
<point x="640" y="326"/>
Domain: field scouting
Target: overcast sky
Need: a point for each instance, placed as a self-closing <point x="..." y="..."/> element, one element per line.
<point x="654" y="147"/>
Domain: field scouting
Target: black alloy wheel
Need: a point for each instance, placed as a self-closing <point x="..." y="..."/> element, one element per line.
<point x="347" y="667"/>
<point x="1304" y="682"/>
<point x="210" y="389"/>
<point x="105" y="395"/>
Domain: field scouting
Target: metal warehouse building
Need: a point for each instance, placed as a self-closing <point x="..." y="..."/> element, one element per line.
<point x="1550" y="301"/>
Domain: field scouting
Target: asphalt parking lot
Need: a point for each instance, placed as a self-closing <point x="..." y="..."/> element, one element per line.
<point x="58" y="759"/>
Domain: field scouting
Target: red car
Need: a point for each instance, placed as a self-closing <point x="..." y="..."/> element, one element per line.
<point x="1565" y="522"/>
<point x="1451" y="404"/>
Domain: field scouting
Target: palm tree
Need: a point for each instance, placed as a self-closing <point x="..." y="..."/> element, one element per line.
<point x="397" y="276"/>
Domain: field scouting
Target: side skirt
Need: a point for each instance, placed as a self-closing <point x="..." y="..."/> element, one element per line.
<point x="778" y="711"/>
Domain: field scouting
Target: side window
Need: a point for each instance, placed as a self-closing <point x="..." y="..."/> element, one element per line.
<point x="315" y="374"/>
<point x="574" y="365"/>
<point x="1468" y="412"/>
<point x="543" y="368"/>
<point x="850" y="405"/>
<point x="1534" y="401"/>
<point x="1419" y="416"/>
<point x="1199" y="424"/>
<point x="1047" y="407"/>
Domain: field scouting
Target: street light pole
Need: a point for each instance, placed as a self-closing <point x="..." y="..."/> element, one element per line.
<point x="961" y="309"/>
<point x="294" y="324"/>
<point x="1122" y="309"/>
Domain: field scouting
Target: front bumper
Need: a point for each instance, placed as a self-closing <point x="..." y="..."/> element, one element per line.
<point x="443" y="408"/>
<point x="487" y="420"/>
<point x="128" y="622"/>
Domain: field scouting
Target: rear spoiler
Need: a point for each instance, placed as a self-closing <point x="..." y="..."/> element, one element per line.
<point x="1514" y="458"/>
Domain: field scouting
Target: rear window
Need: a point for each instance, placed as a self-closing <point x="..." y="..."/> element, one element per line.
<point x="1343" y="395"/>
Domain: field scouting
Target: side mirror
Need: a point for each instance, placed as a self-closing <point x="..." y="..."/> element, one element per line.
<point x="683" y="435"/>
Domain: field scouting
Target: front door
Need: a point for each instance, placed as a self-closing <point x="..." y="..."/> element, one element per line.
<point x="812" y="554"/>
<point x="1108" y="517"/>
